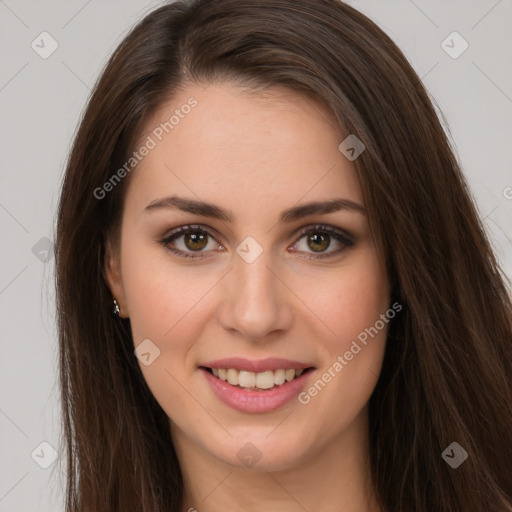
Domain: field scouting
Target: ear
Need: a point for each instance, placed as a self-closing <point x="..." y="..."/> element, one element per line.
<point x="112" y="271"/>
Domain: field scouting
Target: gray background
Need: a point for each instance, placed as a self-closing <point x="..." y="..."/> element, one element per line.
<point x="40" y="102"/>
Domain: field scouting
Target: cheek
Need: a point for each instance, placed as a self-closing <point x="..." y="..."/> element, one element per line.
<point x="353" y="307"/>
<point x="163" y="303"/>
<point x="351" y="301"/>
<point x="160" y="296"/>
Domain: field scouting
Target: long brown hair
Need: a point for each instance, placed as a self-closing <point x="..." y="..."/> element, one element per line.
<point x="448" y="363"/>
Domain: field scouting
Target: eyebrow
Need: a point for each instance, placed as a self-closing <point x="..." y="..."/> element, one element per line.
<point x="206" y="209"/>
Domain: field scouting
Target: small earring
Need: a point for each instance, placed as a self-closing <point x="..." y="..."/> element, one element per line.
<point x="116" y="310"/>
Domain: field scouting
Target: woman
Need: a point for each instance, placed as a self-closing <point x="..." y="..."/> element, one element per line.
<point x="307" y="312"/>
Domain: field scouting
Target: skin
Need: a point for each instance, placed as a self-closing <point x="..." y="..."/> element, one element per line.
<point x="255" y="155"/>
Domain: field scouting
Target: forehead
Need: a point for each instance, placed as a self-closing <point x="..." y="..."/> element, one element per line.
<point x="226" y="144"/>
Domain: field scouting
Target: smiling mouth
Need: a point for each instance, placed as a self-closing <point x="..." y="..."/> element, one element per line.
<point x="256" y="381"/>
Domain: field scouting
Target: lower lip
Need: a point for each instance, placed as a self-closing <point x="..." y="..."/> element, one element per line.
<point x="256" y="401"/>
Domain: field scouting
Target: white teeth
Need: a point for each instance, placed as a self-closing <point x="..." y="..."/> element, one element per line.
<point x="265" y="380"/>
<point x="252" y="380"/>
<point x="290" y="374"/>
<point x="233" y="376"/>
<point x="246" y="379"/>
<point x="279" y="377"/>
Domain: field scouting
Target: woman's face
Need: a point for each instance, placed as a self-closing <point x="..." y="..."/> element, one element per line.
<point x="260" y="286"/>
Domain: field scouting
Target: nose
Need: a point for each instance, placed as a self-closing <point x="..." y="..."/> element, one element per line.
<point x="256" y="303"/>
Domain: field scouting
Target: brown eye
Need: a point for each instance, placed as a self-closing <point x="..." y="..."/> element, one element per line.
<point x="318" y="239"/>
<point x="196" y="240"/>
<point x="190" y="242"/>
<point x="319" y="243"/>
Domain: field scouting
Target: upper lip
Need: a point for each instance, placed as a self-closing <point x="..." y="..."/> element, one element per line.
<point x="272" y="363"/>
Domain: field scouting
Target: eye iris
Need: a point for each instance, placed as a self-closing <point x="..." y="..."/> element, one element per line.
<point x="196" y="238"/>
<point x="321" y="242"/>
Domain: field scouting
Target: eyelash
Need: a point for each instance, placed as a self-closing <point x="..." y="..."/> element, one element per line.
<point x="339" y="235"/>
